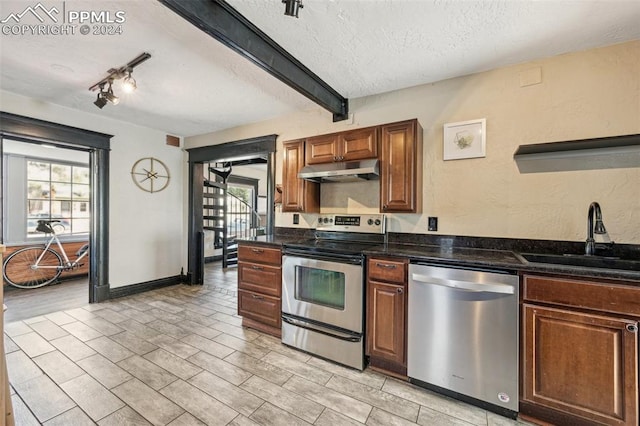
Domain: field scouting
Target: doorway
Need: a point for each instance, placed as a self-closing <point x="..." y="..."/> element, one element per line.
<point x="97" y="145"/>
<point x="227" y="200"/>
<point x="44" y="182"/>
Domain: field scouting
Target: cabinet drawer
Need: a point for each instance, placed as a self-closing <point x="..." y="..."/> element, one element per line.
<point x="390" y="270"/>
<point x="605" y="297"/>
<point x="265" y="309"/>
<point x="260" y="278"/>
<point x="258" y="254"/>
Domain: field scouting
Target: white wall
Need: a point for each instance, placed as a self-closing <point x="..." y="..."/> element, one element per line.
<point x="587" y="94"/>
<point x="147" y="233"/>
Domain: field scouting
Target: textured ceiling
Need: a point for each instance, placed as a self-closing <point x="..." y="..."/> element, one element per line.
<point x="194" y="85"/>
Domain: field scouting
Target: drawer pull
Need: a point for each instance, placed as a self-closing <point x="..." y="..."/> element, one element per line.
<point x="632" y="328"/>
<point x="386" y="265"/>
<point x="400" y="291"/>
<point x="257" y="268"/>
<point x="255" y="250"/>
<point x="255" y="296"/>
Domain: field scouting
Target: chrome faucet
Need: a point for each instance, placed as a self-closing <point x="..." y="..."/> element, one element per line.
<point x="597" y="228"/>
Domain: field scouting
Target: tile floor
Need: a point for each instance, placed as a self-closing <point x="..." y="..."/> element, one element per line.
<point x="178" y="356"/>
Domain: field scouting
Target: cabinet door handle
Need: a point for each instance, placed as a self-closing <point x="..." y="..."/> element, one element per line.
<point x="255" y="250"/>
<point x="400" y="291"/>
<point x="632" y="328"/>
<point x="386" y="265"/>
<point x="335" y="158"/>
<point x="255" y="296"/>
<point x="384" y="207"/>
<point x="257" y="268"/>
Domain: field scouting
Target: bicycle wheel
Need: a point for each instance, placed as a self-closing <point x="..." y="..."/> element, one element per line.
<point x="19" y="269"/>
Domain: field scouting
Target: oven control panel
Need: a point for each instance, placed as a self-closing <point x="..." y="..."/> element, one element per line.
<point x="369" y="223"/>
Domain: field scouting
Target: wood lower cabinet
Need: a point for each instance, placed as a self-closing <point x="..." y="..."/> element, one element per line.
<point x="259" y="287"/>
<point x="401" y="167"/>
<point x="578" y="366"/>
<point x="386" y="335"/>
<point x="298" y="195"/>
<point x="353" y="145"/>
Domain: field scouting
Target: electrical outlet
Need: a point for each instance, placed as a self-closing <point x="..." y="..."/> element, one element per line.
<point x="296" y="219"/>
<point x="432" y="223"/>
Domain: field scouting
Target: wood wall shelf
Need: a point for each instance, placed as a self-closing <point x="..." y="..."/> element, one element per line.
<point x="579" y="145"/>
<point x="614" y="152"/>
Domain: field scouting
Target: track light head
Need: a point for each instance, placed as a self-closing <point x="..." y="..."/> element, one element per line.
<point x="109" y="96"/>
<point x="100" y="102"/>
<point x="292" y="7"/>
<point x="129" y="83"/>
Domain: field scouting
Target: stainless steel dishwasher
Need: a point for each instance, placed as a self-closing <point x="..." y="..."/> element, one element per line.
<point x="463" y="334"/>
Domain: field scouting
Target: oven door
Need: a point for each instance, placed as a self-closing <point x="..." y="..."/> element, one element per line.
<point x="324" y="291"/>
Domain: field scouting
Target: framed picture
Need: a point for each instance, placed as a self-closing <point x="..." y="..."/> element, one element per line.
<point x="465" y="139"/>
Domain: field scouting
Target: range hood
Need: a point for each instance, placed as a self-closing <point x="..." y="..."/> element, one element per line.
<point x="351" y="171"/>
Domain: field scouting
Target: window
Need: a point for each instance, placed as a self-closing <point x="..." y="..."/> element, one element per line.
<point x="57" y="191"/>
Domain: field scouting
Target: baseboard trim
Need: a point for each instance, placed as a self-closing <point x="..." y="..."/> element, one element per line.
<point x="132" y="289"/>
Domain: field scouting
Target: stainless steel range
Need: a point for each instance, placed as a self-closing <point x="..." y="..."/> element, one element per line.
<point x="323" y="287"/>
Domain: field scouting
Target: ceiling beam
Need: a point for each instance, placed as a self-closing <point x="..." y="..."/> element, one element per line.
<point x="222" y="22"/>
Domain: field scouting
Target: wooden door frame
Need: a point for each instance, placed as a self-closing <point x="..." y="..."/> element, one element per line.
<point x="262" y="146"/>
<point x="98" y="145"/>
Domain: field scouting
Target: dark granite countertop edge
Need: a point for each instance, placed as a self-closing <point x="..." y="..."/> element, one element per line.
<point x="472" y="256"/>
<point x="519" y="266"/>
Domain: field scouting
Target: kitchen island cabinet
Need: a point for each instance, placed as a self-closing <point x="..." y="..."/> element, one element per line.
<point x="259" y="288"/>
<point x="298" y="195"/>
<point x="401" y="167"/>
<point x="386" y="336"/>
<point x="359" y="144"/>
<point x="580" y="351"/>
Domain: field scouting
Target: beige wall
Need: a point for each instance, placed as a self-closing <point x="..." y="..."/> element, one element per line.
<point x="582" y="95"/>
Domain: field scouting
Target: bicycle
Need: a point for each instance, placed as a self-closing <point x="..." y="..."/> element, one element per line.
<point x="37" y="266"/>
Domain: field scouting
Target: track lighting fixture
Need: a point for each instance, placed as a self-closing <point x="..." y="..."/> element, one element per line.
<point x="292" y="7"/>
<point x="128" y="83"/>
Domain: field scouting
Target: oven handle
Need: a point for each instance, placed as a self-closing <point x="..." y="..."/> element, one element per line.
<point x="353" y="260"/>
<point x="347" y="336"/>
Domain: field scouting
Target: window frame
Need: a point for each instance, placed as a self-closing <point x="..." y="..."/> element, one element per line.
<point x="71" y="236"/>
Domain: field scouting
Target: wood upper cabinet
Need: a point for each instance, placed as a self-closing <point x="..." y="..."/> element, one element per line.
<point x="298" y="195"/>
<point x="357" y="144"/>
<point x="578" y="367"/>
<point x="401" y="167"/>
<point x="386" y="337"/>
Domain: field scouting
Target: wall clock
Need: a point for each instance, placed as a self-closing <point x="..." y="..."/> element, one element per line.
<point x="150" y="174"/>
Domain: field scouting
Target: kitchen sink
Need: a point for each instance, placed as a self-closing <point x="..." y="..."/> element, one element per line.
<point x="583" y="261"/>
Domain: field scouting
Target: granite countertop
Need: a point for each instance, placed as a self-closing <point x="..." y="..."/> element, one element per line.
<point x="447" y="255"/>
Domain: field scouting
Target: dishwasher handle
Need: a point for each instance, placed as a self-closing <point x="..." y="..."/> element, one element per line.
<point x="463" y="285"/>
